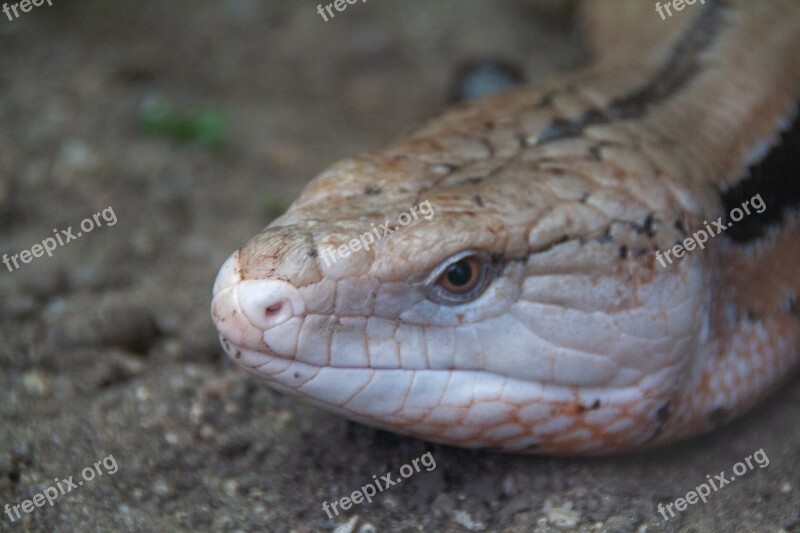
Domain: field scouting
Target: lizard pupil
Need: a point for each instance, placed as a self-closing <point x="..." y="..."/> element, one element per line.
<point x="459" y="274"/>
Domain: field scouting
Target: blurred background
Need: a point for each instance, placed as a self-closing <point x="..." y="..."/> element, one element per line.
<point x="198" y="122"/>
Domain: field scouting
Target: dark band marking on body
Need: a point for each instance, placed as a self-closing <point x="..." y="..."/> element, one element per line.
<point x="679" y="70"/>
<point x="776" y="178"/>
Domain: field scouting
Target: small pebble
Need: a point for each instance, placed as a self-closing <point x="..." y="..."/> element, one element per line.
<point x="347" y="527"/>
<point x="160" y="488"/>
<point x="563" y="517"/>
<point x="35" y="383"/>
<point x="142" y="393"/>
<point x="207" y="432"/>
<point x="231" y="487"/>
<point x="463" y="518"/>
<point x="76" y="160"/>
<point x="367" y="528"/>
<point x="484" y="78"/>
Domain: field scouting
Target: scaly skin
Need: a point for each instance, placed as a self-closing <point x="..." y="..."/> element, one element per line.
<point x="581" y="343"/>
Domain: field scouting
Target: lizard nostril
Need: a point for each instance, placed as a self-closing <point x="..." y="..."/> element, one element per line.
<point x="269" y="303"/>
<point x="274" y="309"/>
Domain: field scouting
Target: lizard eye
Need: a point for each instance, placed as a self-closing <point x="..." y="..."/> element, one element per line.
<point x="461" y="278"/>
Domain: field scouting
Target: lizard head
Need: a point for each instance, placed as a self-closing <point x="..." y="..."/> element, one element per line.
<point x="431" y="297"/>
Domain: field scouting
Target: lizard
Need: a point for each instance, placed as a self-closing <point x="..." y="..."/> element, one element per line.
<point x="530" y="314"/>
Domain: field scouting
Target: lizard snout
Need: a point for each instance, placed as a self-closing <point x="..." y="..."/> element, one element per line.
<point x="245" y="310"/>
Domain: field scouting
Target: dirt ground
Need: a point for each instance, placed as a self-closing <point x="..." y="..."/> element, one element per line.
<point x="107" y="347"/>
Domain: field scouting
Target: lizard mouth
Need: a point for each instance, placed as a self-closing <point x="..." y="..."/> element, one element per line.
<point x="266" y="329"/>
<point x="456" y="407"/>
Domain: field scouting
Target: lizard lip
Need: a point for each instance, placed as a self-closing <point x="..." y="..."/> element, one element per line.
<point x="246" y="358"/>
<point x="246" y="311"/>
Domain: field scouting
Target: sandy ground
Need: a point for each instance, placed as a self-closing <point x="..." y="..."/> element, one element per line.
<point x="107" y="348"/>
